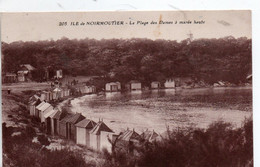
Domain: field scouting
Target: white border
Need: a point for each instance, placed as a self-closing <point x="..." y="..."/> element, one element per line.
<point x="144" y="5"/>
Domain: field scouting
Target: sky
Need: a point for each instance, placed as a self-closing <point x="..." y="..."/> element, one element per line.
<point x="45" y="26"/>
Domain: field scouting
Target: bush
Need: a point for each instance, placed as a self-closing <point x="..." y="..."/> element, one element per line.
<point x="218" y="145"/>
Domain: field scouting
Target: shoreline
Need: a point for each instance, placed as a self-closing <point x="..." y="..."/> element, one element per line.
<point x="137" y="109"/>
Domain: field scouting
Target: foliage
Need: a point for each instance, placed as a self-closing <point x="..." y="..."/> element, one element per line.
<point x="211" y="60"/>
<point x="218" y="145"/>
<point x="20" y="151"/>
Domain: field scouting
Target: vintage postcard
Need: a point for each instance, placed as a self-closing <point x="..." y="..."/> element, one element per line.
<point x="127" y="89"/>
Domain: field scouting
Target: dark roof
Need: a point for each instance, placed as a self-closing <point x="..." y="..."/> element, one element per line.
<point x="65" y="119"/>
<point x="28" y="66"/>
<point x="58" y="115"/>
<point x="129" y="135"/>
<point x="134" y="81"/>
<point x="100" y="126"/>
<point x="86" y="123"/>
<point x="149" y="135"/>
<point x="75" y="118"/>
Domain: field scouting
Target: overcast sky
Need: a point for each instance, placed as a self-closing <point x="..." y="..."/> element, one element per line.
<point x="45" y="26"/>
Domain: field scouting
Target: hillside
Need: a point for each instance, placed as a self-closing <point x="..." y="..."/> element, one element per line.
<point x="210" y="60"/>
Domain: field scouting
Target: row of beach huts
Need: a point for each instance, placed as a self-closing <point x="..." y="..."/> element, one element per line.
<point x="76" y="127"/>
<point x="136" y="85"/>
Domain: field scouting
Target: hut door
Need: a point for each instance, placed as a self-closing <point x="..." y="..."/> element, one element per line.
<point x="55" y="126"/>
<point x="48" y="125"/>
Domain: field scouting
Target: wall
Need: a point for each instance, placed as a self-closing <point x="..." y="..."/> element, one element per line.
<point x="104" y="143"/>
<point x="81" y="136"/>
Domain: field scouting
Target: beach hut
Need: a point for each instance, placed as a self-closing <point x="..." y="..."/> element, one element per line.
<point x="133" y="85"/>
<point x="169" y="83"/>
<point x="83" y="128"/>
<point x="43" y="96"/>
<point x="63" y="127"/>
<point x="67" y="125"/>
<point x="10" y="78"/>
<point x="47" y="119"/>
<point x="57" y="93"/>
<point x="113" y="86"/>
<point x="92" y="89"/>
<point x="128" y="139"/>
<point x="45" y="108"/>
<point x="155" y="85"/>
<point x="25" y="72"/>
<point x="32" y="106"/>
<point x="99" y="136"/>
<point x="149" y="136"/>
<point x="34" y="98"/>
<point x="59" y="74"/>
<point x="46" y="95"/>
<point x="38" y="108"/>
<point x="55" y="118"/>
<point x="65" y="91"/>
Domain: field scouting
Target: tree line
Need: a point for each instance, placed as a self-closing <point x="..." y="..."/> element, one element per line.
<point x="210" y="60"/>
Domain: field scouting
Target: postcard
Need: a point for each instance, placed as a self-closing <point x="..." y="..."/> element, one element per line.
<point x="117" y="89"/>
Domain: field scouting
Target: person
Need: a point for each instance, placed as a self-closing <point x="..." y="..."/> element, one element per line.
<point x="9" y="91"/>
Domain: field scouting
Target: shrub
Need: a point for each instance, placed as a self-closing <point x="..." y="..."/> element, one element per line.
<point x="218" y="145"/>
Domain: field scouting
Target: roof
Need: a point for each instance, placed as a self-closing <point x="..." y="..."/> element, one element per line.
<point x="100" y="126"/>
<point x="44" y="106"/>
<point x="134" y="81"/>
<point x="129" y="135"/>
<point x="86" y="123"/>
<point x="57" y="90"/>
<point x="155" y="82"/>
<point x="58" y="115"/>
<point x="65" y="119"/>
<point x="43" y="102"/>
<point x="10" y="74"/>
<point x="113" y="83"/>
<point x="34" y="98"/>
<point x="22" y="72"/>
<point x="32" y="102"/>
<point x="73" y="119"/>
<point x="28" y="66"/>
<point x="149" y="135"/>
<point x="48" y="114"/>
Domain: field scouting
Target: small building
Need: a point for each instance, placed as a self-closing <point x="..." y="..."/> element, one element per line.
<point x="65" y="91"/>
<point x="10" y="78"/>
<point x="37" y="109"/>
<point x="67" y="126"/>
<point x="99" y="137"/>
<point x="46" y="95"/>
<point x="32" y="106"/>
<point x="155" y="85"/>
<point x="133" y="85"/>
<point x="59" y="74"/>
<point x="34" y="98"/>
<point x="56" y="117"/>
<point x="169" y="83"/>
<point x="47" y="118"/>
<point x="25" y="72"/>
<point x="91" y="89"/>
<point x="149" y="136"/>
<point x="21" y="76"/>
<point x="57" y="93"/>
<point x="128" y="139"/>
<point x="44" y="109"/>
<point x="113" y="87"/>
<point x="83" y="129"/>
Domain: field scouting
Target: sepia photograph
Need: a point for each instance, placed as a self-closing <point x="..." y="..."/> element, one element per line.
<point x="127" y="89"/>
